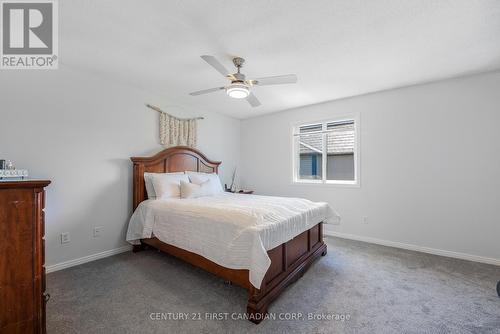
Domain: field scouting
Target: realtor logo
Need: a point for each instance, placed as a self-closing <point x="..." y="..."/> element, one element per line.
<point x="29" y="34"/>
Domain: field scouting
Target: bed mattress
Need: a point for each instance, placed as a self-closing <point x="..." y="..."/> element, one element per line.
<point x="232" y="230"/>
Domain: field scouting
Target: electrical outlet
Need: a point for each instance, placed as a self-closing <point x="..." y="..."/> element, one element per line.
<point x="365" y="220"/>
<point x="335" y="222"/>
<point x="97" y="231"/>
<point x="65" y="238"/>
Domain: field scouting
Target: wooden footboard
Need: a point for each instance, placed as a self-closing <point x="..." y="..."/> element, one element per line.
<point x="289" y="261"/>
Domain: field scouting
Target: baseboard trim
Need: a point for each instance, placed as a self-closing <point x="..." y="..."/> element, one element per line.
<point x="88" y="258"/>
<point x="428" y="250"/>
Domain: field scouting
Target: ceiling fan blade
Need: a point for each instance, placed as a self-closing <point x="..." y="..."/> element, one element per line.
<point x="252" y="99"/>
<point x="212" y="61"/>
<point x="276" y="80"/>
<point x="206" y="91"/>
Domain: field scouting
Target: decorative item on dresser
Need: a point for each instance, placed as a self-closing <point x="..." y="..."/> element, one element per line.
<point x="22" y="256"/>
<point x="288" y="261"/>
<point x="8" y="171"/>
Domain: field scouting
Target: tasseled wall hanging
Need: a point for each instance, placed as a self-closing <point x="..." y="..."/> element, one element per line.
<point x="176" y="131"/>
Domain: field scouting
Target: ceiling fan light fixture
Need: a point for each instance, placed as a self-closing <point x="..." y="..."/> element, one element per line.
<point x="240" y="87"/>
<point x="238" y="91"/>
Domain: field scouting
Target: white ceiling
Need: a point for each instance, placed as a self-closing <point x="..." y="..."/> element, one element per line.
<point x="337" y="48"/>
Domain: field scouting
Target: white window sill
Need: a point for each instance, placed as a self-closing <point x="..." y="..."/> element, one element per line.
<point x="340" y="184"/>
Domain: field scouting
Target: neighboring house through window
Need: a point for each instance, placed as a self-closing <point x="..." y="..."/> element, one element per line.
<point x="329" y="146"/>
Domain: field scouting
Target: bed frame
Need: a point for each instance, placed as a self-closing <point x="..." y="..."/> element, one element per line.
<point x="289" y="260"/>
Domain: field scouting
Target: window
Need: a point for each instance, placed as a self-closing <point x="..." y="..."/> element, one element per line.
<point x="326" y="152"/>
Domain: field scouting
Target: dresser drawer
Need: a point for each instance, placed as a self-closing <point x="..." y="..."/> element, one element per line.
<point x="16" y="237"/>
<point x="19" y="328"/>
<point x="17" y="303"/>
<point x="22" y="257"/>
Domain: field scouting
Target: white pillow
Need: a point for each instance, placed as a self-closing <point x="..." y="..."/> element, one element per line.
<point x="148" y="180"/>
<point x="199" y="178"/>
<point x="193" y="190"/>
<point x="168" y="185"/>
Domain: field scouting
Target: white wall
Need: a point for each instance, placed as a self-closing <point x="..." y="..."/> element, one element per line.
<point x="430" y="164"/>
<point x="79" y="131"/>
<point x="429" y="157"/>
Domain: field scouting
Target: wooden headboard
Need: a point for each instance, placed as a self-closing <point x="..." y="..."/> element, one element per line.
<point x="173" y="159"/>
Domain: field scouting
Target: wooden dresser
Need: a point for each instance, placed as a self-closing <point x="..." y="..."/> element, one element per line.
<point x="22" y="257"/>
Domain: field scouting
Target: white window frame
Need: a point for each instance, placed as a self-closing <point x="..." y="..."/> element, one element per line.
<point x="296" y="157"/>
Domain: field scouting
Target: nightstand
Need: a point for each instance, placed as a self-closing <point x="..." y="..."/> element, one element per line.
<point x="246" y="192"/>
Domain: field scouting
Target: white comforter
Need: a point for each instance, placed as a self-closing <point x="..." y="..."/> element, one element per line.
<point x="232" y="230"/>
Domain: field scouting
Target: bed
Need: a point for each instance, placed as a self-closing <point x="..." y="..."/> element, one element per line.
<point x="262" y="258"/>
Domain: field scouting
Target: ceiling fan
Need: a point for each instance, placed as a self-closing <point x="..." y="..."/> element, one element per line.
<point x="240" y="88"/>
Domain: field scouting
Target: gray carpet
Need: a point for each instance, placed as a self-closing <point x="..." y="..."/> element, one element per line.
<point x="365" y="288"/>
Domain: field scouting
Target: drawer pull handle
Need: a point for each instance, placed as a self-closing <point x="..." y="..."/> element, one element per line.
<point x="46" y="296"/>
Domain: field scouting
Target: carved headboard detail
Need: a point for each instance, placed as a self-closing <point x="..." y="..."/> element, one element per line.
<point x="173" y="159"/>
